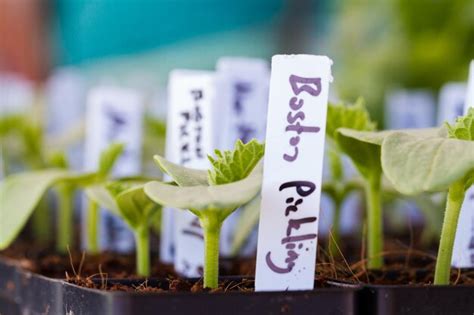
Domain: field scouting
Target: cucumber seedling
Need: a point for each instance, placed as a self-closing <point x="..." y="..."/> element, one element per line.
<point x="234" y="179"/>
<point x="21" y="193"/>
<point x="420" y="161"/>
<point x="127" y="200"/>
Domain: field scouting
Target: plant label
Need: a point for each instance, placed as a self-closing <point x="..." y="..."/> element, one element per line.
<point x="451" y="102"/>
<point x="190" y="137"/>
<point x="470" y="88"/>
<point x="463" y="251"/>
<point x="114" y="115"/>
<point x="243" y="97"/>
<point x="65" y="98"/>
<point x="293" y="162"/>
<point x="410" y="109"/>
<point x="17" y="98"/>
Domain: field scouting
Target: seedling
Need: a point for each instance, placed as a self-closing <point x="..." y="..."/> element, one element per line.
<point x="128" y="201"/>
<point x="234" y="180"/>
<point x="354" y="117"/>
<point x="21" y="193"/>
<point x="420" y="161"/>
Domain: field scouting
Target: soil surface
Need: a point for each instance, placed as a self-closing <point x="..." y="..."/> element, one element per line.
<point x="404" y="265"/>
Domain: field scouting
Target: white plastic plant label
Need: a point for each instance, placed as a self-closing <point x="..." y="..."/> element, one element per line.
<point x="243" y="98"/>
<point x="65" y="100"/>
<point x="291" y="189"/>
<point x="410" y="109"/>
<point x="451" y="102"/>
<point x="463" y="251"/>
<point x="190" y="137"/>
<point x="470" y="88"/>
<point x="114" y="115"/>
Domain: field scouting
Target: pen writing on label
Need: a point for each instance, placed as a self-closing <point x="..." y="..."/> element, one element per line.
<point x="118" y="126"/>
<point x="294" y="243"/>
<point x="193" y="117"/>
<point x="194" y="229"/>
<point x="311" y="86"/>
<point x="245" y="131"/>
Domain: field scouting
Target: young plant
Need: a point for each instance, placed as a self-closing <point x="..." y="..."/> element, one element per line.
<point x="418" y="161"/>
<point x="338" y="188"/>
<point x="106" y="163"/>
<point x="234" y="180"/>
<point x="21" y="193"/>
<point x="128" y="201"/>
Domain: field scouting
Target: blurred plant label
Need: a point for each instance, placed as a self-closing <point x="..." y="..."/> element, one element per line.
<point x="243" y="97"/>
<point x="451" y="102"/>
<point x="190" y="137"/>
<point x="463" y="251"/>
<point x="114" y="115"/>
<point x="410" y="109"/>
<point x="291" y="190"/>
<point x="66" y="97"/>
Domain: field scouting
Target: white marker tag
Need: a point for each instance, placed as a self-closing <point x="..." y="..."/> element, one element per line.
<point x="470" y="89"/>
<point x="451" y="102"/>
<point x="291" y="190"/>
<point x="190" y="137"/>
<point x="463" y="251"/>
<point x="243" y="98"/>
<point x="114" y="115"/>
<point x="410" y="109"/>
<point x="66" y="98"/>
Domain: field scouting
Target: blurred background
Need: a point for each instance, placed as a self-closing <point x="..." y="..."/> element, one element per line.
<point x="377" y="46"/>
<point x="409" y="60"/>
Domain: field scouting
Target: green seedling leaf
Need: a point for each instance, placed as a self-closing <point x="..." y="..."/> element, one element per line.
<point x="19" y="196"/>
<point x="125" y="199"/>
<point x="108" y="158"/>
<point x="58" y="160"/>
<point x="354" y="117"/>
<point x="205" y="197"/>
<point x="137" y="209"/>
<point x="248" y="220"/>
<point x="463" y="129"/>
<point x="363" y="147"/>
<point x="103" y="197"/>
<point x="231" y="166"/>
<point x="415" y="163"/>
<point x="183" y="176"/>
<point x="128" y="201"/>
<point x="234" y="180"/>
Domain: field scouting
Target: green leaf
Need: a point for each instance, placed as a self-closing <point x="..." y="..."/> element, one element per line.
<point x="136" y="208"/>
<point x="355" y="117"/>
<point x="248" y="220"/>
<point x="463" y="129"/>
<point x="363" y="147"/>
<point x="415" y="162"/>
<point x="183" y="176"/>
<point x="58" y="160"/>
<point x="125" y="200"/>
<point x="103" y="197"/>
<point x="19" y="196"/>
<point x="108" y="158"/>
<point x="205" y="197"/>
<point x="233" y="165"/>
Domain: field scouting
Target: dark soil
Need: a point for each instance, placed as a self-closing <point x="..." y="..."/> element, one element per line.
<point x="403" y="266"/>
<point x="175" y="285"/>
